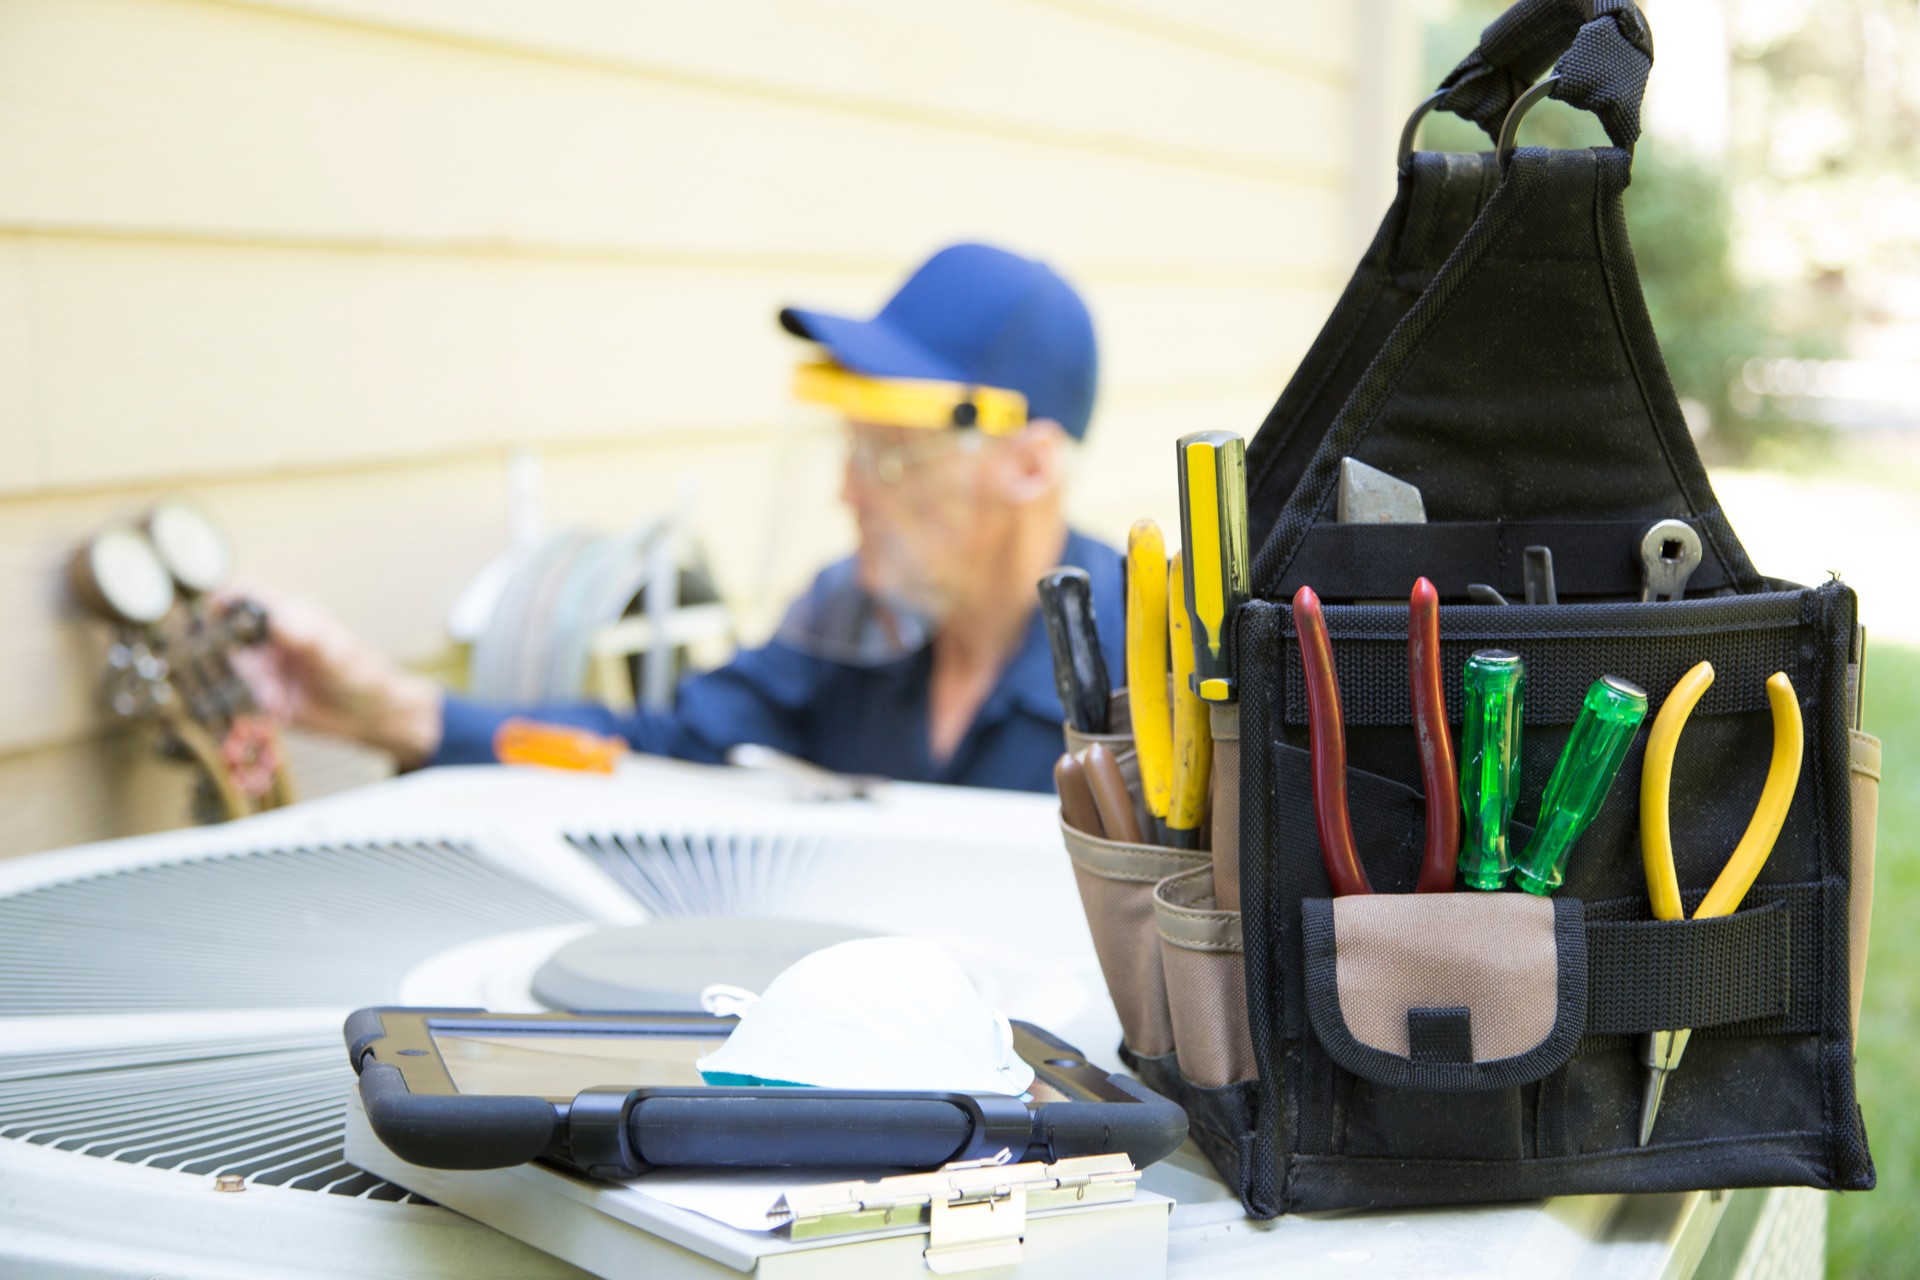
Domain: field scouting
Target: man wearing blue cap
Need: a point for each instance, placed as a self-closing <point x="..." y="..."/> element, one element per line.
<point x="923" y="656"/>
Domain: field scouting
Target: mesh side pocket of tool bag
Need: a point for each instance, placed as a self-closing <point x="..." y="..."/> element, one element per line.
<point x="1204" y="963"/>
<point x="1384" y="1091"/>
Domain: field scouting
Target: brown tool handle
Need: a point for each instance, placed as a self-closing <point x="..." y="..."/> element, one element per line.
<point x="1110" y="794"/>
<point x="207" y="754"/>
<point x="1436" y="745"/>
<point x="1076" y="797"/>
<point x="1328" y="749"/>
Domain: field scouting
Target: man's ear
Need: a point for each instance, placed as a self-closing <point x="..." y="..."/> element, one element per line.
<point x="1034" y="461"/>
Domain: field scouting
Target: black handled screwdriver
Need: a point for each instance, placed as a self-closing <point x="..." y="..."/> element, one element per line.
<point x="1079" y="670"/>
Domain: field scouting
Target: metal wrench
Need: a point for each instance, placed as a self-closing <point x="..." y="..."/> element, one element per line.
<point x="1669" y="553"/>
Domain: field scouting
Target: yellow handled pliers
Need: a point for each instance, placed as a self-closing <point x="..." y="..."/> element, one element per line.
<point x="1662" y="1049"/>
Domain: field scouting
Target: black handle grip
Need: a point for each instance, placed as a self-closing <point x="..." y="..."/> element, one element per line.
<point x="1079" y="670"/>
<point x="822" y="1128"/>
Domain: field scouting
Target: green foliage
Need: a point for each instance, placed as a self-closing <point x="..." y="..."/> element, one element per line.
<point x="1871" y="1236"/>
<point x="1679" y="218"/>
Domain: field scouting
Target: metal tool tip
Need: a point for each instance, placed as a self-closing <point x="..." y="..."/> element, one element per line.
<point x="1650" y="1104"/>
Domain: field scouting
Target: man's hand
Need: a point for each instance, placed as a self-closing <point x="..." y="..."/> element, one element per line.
<point x="315" y="673"/>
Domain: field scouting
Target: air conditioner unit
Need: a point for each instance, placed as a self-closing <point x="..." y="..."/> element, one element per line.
<point x="173" y="1085"/>
<point x="170" y="1006"/>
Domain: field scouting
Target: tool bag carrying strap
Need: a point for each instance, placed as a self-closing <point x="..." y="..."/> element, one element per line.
<point x="1493" y="348"/>
<point x="1600" y="52"/>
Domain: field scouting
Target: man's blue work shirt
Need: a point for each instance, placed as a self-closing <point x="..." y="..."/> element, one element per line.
<point x="849" y="718"/>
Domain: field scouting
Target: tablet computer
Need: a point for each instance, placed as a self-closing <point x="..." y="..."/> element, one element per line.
<point x="616" y="1094"/>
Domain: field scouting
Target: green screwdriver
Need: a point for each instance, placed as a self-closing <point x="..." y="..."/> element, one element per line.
<point x="1609" y="719"/>
<point x="1495" y="682"/>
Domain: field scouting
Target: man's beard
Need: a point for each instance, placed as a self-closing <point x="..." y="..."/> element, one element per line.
<point x="897" y="576"/>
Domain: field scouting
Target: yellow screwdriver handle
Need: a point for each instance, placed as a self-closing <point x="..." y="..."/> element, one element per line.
<point x="1192" y="721"/>
<point x="1147" y="663"/>
<point x="1213" y="526"/>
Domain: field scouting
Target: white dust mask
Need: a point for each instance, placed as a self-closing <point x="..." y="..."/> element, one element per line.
<point x="875" y="1013"/>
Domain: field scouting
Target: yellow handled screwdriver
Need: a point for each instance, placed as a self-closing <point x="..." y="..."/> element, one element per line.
<point x="1192" y="726"/>
<point x="1661" y="1050"/>
<point x="1212" y="466"/>
<point x="1147" y="663"/>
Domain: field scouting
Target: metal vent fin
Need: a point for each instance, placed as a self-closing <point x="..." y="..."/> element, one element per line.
<point x="272" y="1111"/>
<point x="270" y="928"/>
<point x="864" y="881"/>
<point x="711" y="874"/>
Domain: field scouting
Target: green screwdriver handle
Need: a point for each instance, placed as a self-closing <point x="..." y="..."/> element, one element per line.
<point x="1609" y="719"/>
<point x="1495" y="682"/>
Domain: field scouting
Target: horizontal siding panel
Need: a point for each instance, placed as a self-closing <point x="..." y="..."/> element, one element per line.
<point x="165" y="360"/>
<point x="1296" y="33"/>
<point x="116" y="785"/>
<point x="98" y="789"/>
<point x="387" y="551"/>
<point x="19" y="445"/>
<point x="1127" y="470"/>
<point x="1067" y="73"/>
<point x="211" y="121"/>
<point x="326" y="263"/>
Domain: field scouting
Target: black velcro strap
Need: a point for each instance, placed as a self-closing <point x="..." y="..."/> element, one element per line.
<point x="1440" y="1035"/>
<point x="1596" y="558"/>
<point x="1650" y="975"/>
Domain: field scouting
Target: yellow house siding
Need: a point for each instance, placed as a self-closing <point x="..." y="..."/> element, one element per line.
<point x="328" y="264"/>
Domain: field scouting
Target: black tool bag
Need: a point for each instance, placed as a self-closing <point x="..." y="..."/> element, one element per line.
<point x="1494" y="349"/>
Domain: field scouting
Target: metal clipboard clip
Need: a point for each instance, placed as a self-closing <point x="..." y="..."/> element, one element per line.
<point x="975" y="1212"/>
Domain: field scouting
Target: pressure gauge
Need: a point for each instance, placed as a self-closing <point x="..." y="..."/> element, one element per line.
<point x="190" y="545"/>
<point x="119" y="577"/>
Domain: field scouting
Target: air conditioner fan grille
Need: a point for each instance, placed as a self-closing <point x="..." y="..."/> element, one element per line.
<point x="270" y="1110"/>
<point x="270" y="928"/>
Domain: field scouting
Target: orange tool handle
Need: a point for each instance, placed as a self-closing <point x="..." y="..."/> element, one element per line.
<point x="555" y="746"/>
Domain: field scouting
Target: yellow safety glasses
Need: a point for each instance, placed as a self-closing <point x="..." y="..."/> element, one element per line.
<point x="911" y="402"/>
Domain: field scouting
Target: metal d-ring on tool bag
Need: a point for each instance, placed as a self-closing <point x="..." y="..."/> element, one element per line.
<point x="1492" y="353"/>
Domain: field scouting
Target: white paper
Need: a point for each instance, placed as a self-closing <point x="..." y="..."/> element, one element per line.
<point x="738" y="1198"/>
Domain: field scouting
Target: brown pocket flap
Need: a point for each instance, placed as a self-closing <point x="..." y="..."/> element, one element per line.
<point x="1446" y="991"/>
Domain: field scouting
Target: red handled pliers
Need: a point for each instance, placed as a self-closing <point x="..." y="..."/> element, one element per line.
<point x="1328" y="744"/>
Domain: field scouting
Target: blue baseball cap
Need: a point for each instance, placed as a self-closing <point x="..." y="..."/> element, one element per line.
<point x="980" y="315"/>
